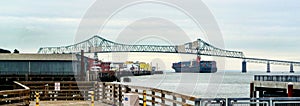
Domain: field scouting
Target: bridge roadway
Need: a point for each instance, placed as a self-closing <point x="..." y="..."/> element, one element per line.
<point x="97" y="44"/>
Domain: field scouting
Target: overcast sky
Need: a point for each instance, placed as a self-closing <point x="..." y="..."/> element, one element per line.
<point x="259" y="28"/>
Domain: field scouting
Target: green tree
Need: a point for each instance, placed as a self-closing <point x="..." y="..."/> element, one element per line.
<point x="16" y="51"/>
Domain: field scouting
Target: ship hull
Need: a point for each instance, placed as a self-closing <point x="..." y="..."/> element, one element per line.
<point x="194" y="70"/>
<point x="195" y="67"/>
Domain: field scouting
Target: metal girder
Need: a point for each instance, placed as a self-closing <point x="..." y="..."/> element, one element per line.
<point x="275" y="62"/>
<point x="100" y="45"/>
<point x="97" y="44"/>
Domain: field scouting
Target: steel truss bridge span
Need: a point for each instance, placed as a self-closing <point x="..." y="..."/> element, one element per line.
<point x="97" y="44"/>
<point x="101" y="45"/>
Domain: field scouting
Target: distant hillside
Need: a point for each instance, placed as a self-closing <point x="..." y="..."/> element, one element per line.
<point x="4" y="51"/>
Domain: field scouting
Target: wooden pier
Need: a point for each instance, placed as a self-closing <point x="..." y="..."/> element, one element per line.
<point x="19" y="95"/>
<point x="111" y="93"/>
<point x="278" y="78"/>
<point x="105" y="92"/>
<point x="68" y="90"/>
<point x="108" y="93"/>
<point x="275" y="86"/>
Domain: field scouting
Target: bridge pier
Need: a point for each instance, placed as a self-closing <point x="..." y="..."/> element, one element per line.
<point x="268" y="68"/>
<point x="291" y="68"/>
<point x="244" y="66"/>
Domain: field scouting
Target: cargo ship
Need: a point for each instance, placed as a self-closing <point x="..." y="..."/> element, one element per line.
<point x="195" y="66"/>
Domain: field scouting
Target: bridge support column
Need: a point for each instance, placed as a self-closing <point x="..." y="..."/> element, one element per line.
<point x="244" y="66"/>
<point x="291" y="68"/>
<point x="82" y="68"/>
<point x="268" y="68"/>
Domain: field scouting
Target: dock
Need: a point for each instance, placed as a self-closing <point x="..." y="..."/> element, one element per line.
<point x="275" y="86"/>
<point x="82" y="93"/>
<point x="68" y="103"/>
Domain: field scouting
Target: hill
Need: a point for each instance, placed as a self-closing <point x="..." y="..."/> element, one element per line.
<point x="4" y="51"/>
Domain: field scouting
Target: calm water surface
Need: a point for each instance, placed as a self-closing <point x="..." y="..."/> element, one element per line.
<point x="221" y="84"/>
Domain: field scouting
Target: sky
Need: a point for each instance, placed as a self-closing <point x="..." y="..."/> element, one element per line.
<point x="259" y="28"/>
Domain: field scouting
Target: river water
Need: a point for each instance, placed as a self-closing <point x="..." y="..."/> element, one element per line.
<point x="223" y="84"/>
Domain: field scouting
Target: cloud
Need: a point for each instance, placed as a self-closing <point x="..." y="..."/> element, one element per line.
<point x="259" y="28"/>
<point x="49" y="8"/>
<point x="258" y="25"/>
<point x="30" y="24"/>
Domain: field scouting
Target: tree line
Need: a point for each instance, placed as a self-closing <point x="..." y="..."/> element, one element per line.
<point x="7" y="51"/>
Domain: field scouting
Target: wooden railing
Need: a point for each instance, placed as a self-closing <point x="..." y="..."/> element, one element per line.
<point x="69" y="90"/>
<point x="18" y="96"/>
<point x="279" y="78"/>
<point x="112" y="93"/>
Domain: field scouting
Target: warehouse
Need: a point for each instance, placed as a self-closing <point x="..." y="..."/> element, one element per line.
<point x="40" y="64"/>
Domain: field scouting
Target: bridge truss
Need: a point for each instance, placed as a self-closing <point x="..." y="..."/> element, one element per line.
<point x="97" y="44"/>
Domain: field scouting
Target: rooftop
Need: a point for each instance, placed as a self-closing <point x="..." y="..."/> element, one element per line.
<point x="60" y="57"/>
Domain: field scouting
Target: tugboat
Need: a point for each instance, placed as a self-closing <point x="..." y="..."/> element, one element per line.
<point x="195" y="66"/>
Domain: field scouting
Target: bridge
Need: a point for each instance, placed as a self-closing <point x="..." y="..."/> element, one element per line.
<point x="97" y="44"/>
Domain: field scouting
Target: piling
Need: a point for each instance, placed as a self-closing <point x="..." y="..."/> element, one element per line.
<point x="244" y="66"/>
<point x="251" y="90"/>
<point x="268" y="68"/>
<point x="290" y="89"/>
<point x="291" y="68"/>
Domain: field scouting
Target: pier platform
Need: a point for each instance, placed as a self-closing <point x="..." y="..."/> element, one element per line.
<point x="68" y="103"/>
<point x="81" y="93"/>
<point x="274" y="85"/>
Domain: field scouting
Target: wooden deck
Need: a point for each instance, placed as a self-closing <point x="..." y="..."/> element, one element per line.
<point x="275" y="84"/>
<point x="19" y="95"/>
<point x="68" y="103"/>
<point x="105" y="94"/>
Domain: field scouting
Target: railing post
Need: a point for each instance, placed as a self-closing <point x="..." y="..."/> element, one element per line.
<point x="127" y="89"/>
<point x="271" y="102"/>
<point x="183" y="100"/>
<point x="113" y="94"/>
<point x="144" y="98"/>
<point x="46" y="90"/>
<point x="153" y="98"/>
<point x="174" y="98"/>
<point x="103" y="91"/>
<point x="92" y="99"/>
<point x="37" y="96"/>
<point x="228" y="102"/>
<point x="27" y="101"/>
<point x="162" y="98"/>
<point x="97" y="91"/>
<point x="120" y="94"/>
<point x="197" y="102"/>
